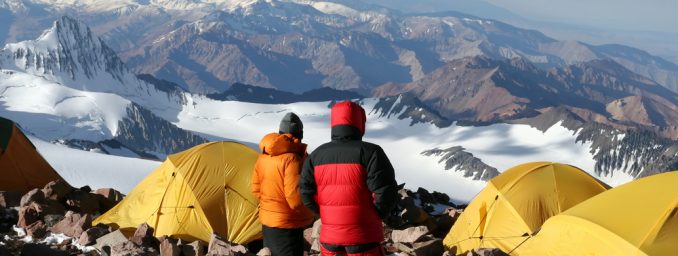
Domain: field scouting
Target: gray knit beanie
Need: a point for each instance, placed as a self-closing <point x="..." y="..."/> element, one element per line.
<point x="292" y="124"/>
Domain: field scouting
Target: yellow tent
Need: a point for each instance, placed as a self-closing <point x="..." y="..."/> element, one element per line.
<point x="22" y="168"/>
<point x="516" y="203"/>
<point x="637" y="218"/>
<point x="194" y="193"/>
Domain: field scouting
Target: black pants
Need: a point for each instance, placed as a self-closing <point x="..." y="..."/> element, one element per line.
<point x="351" y="249"/>
<point x="283" y="241"/>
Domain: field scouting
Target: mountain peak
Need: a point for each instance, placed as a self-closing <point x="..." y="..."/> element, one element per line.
<point x="67" y="47"/>
<point x="67" y="32"/>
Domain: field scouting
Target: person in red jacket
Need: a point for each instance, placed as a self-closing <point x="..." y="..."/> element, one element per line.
<point x="275" y="182"/>
<point x="351" y="185"/>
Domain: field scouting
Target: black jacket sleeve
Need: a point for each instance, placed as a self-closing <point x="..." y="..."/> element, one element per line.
<point x="308" y="187"/>
<point x="381" y="181"/>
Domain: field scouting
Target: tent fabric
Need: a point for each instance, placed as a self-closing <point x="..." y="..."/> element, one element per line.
<point x="200" y="191"/>
<point x="637" y="218"/>
<point x="516" y="203"/>
<point x="21" y="166"/>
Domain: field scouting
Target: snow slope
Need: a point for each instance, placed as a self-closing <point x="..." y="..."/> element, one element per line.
<point x="500" y="145"/>
<point x="57" y="112"/>
<point x="96" y="170"/>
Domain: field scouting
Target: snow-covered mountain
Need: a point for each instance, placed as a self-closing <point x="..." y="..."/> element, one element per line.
<point x="73" y="88"/>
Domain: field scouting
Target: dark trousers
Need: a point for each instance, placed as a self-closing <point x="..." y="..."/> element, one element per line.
<point x="284" y="241"/>
<point x="373" y="249"/>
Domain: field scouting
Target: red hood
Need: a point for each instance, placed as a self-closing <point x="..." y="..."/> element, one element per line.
<point x="349" y="113"/>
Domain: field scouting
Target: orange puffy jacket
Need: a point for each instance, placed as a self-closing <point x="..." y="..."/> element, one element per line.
<point x="275" y="182"/>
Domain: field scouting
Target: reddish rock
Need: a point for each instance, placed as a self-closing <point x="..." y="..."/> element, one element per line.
<point x="143" y="236"/>
<point x="73" y="224"/>
<point x="315" y="235"/>
<point x="168" y="248"/>
<point x="108" y="198"/>
<point x="90" y="236"/>
<point x="311" y="234"/>
<point x="129" y="248"/>
<point x="218" y="246"/>
<point x="110" y="194"/>
<point x="239" y="249"/>
<point x="27" y="216"/>
<point x="56" y="190"/>
<point x="9" y="199"/>
<point x="82" y="202"/>
<point x="431" y="247"/>
<point x="110" y="240"/>
<point x="307" y="238"/>
<point x="49" y="207"/>
<point x="34" y="195"/>
<point x="315" y="245"/>
<point x="409" y="235"/>
<point x="317" y="225"/>
<point x="37" y="230"/>
<point x="452" y="212"/>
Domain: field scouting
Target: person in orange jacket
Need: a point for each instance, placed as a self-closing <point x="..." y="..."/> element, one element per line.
<point x="275" y="182"/>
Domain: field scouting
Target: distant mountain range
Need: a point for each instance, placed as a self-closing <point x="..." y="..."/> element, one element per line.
<point x="298" y="45"/>
<point x="482" y="90"/>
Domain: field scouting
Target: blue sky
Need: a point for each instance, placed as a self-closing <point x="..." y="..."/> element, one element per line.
<point x="644" y="15"/>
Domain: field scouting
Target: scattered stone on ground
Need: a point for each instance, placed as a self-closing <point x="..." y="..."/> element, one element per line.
<point x="90" y="236"/>
<point x="129" y="248"/>
<point x="169" y="248"/>
<point x="417" y="227"/>
<point x="37" y="230"/>
<point x="73" y="224"/>
<point x="56" y="190"/>
<point x="143" y="236"/>
<point x="109" y="240"/>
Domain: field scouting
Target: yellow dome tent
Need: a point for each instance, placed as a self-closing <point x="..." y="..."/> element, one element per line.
<point x="516" y="203"/>
<point x="194" y="193"/>
<point x="637" y="218"/>
<point x="22" y="168"/>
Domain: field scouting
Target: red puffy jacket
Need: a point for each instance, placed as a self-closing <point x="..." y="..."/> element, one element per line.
<point x="350" y="183"/>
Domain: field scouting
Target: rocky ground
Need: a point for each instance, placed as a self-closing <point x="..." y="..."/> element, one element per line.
<point x="57" y="220"/>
